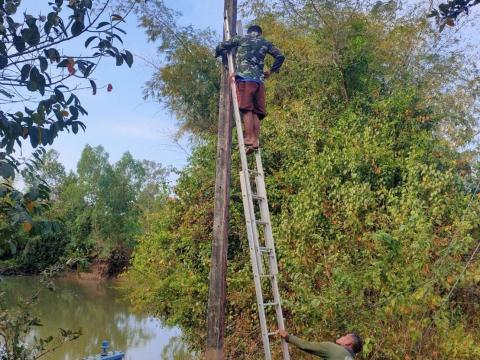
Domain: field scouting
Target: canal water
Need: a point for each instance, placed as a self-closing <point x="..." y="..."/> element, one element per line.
<point x="97" y="308"/>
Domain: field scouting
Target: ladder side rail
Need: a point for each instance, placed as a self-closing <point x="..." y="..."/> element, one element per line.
<point x="244" y="180"/>
<point x="264" y="210"/>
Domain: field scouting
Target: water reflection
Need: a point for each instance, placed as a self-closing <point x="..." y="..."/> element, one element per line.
<point x="98" y="310"/>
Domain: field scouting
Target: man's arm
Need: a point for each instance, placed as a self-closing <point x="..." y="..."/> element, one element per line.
<point x="227" y="45"/>
<point x="315" y="348"/>
<point x="278" y="56"/>
<point x="321" y="349"/>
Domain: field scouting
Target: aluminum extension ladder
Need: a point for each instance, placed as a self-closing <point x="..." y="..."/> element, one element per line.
<point x="262" y="253"/>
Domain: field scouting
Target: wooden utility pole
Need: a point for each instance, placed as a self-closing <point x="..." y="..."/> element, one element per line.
<point x="218" y="267"/>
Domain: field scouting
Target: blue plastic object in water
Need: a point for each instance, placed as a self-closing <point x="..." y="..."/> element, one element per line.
<point x="107" y="355"/>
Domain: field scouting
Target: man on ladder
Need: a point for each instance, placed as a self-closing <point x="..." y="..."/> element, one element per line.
<point x="250" y="76"/>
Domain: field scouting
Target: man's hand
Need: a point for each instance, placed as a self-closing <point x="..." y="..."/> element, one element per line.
<point x="282" y="333"/>
<point x="267" y="74"/>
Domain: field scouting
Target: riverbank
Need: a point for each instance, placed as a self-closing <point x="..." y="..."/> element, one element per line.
<point x="98" y="270"/>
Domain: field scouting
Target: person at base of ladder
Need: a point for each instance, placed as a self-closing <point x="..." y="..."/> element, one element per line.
<point x="344" y="348"/>
<point x="250" y="76"/>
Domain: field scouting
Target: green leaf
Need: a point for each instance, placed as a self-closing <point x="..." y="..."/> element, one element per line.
<point x="34" y="73"/>
<point x="13" y="248"/>
<point x="89" y="40"/>
<point x="3" y="48"/>
<point x="63" y="63"/>
<point x="33" y="132"/>
<point x="10" y="8"/>
<point x="31" y="21"/>
<point x="53" y="18"/>
<point x="119" y="59"/>
<point x="43" y="63"/>
<point x="74" y="112"/>
<point x="53" y="55"/>
<point x="3" y="61"/>
<point x="7" y="94"/>
<point x="41" y="84"/>
<point x="47" y="27"/>
<point x="444" y="8"/>
<point x="19" y="43"/>
<point x="31" y="37"/>
<point x="6" y="170"/>
<point x="117" y="17"/>
<point x="77" y="28"/>
<point x="32" y="85"/>
<point x="75" y="128"/>
<point x="128" y="58"/>
<point x="102" y="24"/>
<point x="25" y="72"/>
<point x="94" y="87"/>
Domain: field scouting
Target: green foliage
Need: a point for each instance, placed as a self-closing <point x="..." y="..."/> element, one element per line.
<point x="91" y="215"/>
<point x="188" y="83"/>
<point x="44" y="246"/>
<point x="35" y="70"/>
<point x="101" y="204"/>
<point x="36" y="49"/>
<point x="370" y="172"/>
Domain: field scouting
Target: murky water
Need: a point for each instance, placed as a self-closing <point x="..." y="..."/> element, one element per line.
<point x="99" y="311"/>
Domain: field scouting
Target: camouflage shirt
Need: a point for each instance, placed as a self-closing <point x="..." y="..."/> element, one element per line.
<point x="251" y="53"/>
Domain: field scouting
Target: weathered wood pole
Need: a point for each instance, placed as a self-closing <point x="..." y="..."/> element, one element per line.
<point x="218" y="266"/>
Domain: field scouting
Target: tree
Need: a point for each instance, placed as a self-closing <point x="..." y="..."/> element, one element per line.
<point x="35" y="71"/>
<point x="50" y="172"/>
<point x="187" y="82"/>
<point x="101" y="205"/>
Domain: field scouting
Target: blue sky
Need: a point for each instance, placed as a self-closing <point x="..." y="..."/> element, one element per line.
<point x="122" y="120"/>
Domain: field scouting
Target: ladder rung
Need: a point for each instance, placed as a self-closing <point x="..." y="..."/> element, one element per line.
<point x="254" y="172"/>
<point x="265" y="249"/>
<point x="270" y="304"/>
<point x="267" y="275"/>
<point x="258" y="197"/>
<point x="262" y="222"/>
<point x="272" y="333"/>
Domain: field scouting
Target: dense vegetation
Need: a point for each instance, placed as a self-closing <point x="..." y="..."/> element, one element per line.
<point x="39" y="82"/>
<point x="371" y="174"/>
<point x="93" y="216"/>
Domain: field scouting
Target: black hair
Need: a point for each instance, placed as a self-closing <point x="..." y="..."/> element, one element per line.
<point x="254" y="28"/>
<point x="357" y="346"/>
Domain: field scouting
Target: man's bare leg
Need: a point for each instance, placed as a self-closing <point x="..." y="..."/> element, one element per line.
<point x="248" y="127"/>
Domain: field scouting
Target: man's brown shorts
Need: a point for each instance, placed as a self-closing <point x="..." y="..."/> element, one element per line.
<point x="251" y="97"/>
